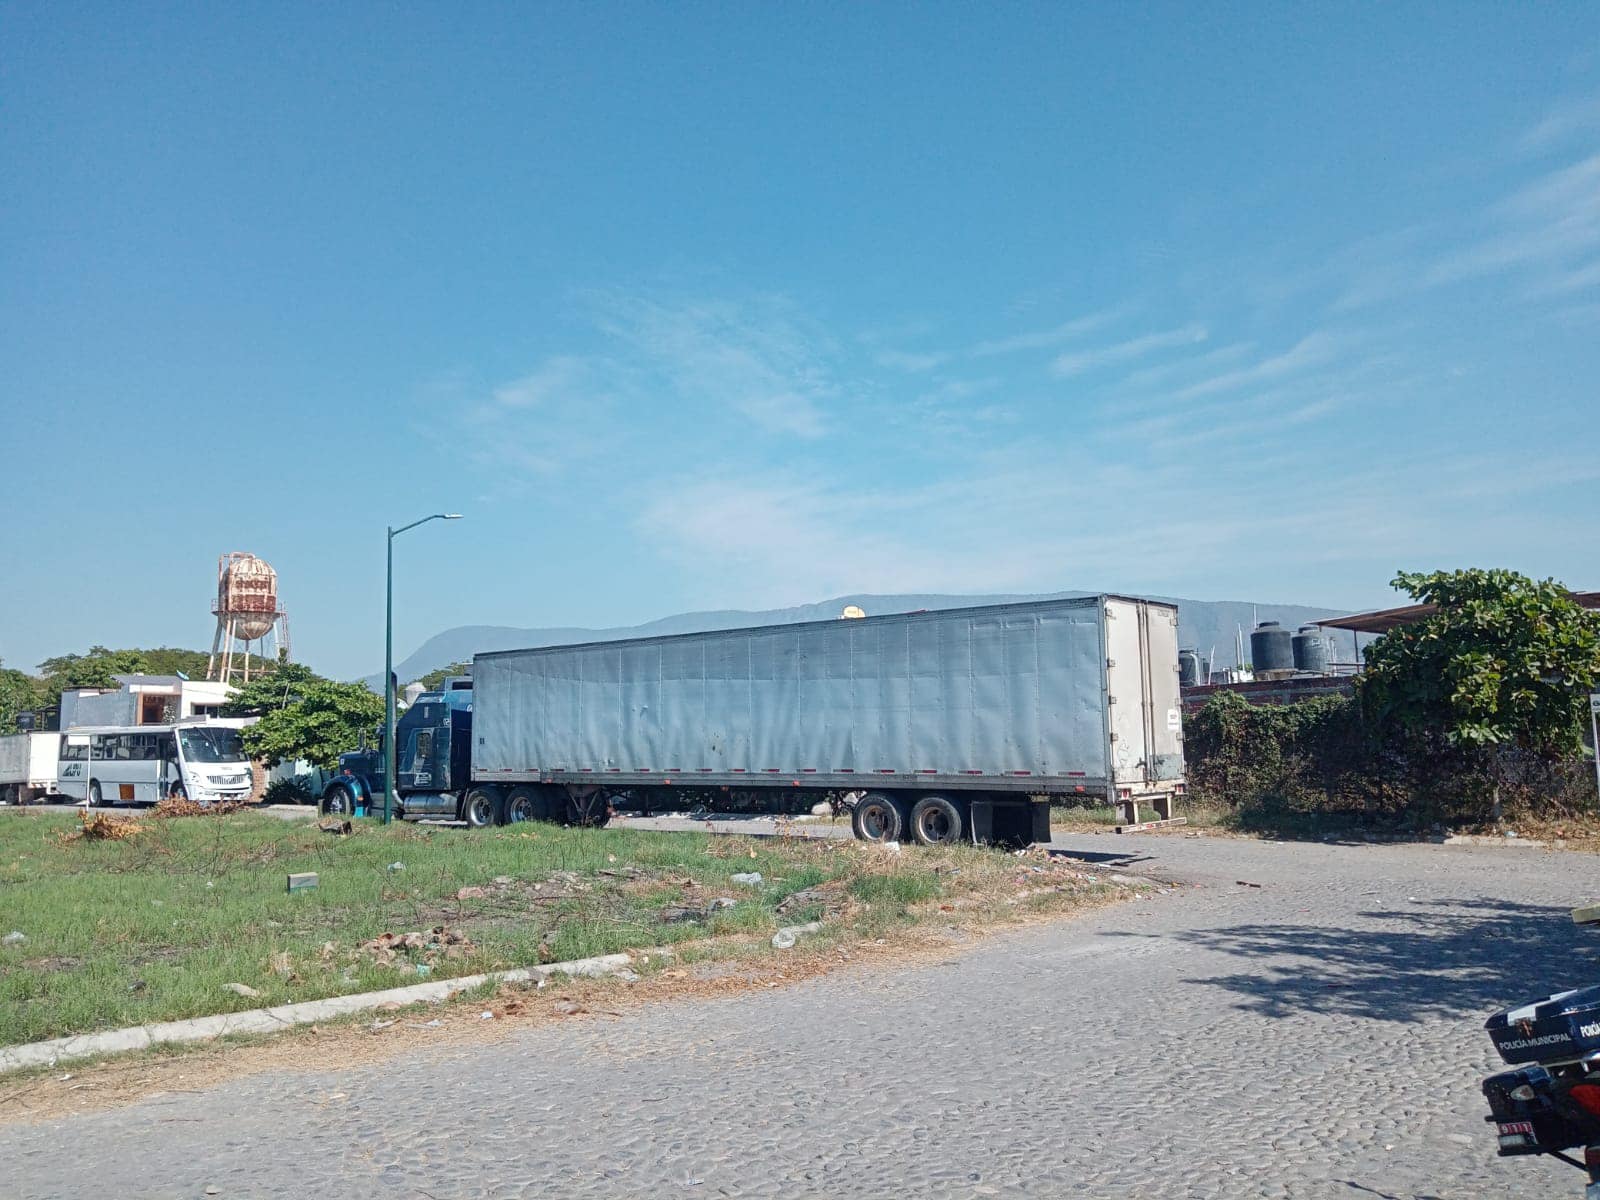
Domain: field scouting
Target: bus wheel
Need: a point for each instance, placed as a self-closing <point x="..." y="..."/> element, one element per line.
<point x="338" y="802"/>
<point x="478" y="808"/>
<point x="94" y="794"/>
<point x="878" y="818"/>
<point x="935" y="821"/>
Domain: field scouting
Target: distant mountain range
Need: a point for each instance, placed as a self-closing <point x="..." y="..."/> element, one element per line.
<point x="1203" y="624"/>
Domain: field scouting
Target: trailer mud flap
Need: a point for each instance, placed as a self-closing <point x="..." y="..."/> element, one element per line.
<point x="1013" y="823"/>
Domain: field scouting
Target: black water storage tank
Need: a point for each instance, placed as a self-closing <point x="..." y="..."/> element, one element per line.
<point x="1271" y="648"/>
<point x="1310" y="650"/>
<point x="1188" y="668"/>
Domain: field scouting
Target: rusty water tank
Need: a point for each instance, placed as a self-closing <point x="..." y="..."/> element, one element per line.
<point x="247" y="592"/>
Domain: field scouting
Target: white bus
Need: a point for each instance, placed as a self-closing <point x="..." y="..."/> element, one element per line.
<point x="141" y="764"/>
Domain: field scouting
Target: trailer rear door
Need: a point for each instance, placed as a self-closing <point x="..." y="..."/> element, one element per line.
<point x="1146" y="714"/>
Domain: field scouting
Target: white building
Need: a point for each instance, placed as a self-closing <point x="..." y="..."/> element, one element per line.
<point x="143" y="700"/>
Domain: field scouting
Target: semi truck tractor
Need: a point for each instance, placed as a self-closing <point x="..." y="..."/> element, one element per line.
<point x="937" y="726"/>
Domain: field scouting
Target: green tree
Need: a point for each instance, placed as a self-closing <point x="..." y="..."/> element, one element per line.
<point x="279" y="687"/>
<point x="320" y="720"/>
<point x="94" y="669"/>
<point x="19" y="693"/>
<point x="434" y="679"/>
<point x="1503" y="661"/>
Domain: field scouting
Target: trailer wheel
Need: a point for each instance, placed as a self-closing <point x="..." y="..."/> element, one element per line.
<point x="338" y="802"/>
<point x="936" y="821"/>
<point x="479" y="808"/>
<point x="878" y="818"/>
<point x="524" y="804"/>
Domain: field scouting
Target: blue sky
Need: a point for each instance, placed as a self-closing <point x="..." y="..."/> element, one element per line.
<point x="696" y="306"/>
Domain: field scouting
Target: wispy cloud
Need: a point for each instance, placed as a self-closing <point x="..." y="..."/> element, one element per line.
<point x="1045" y="338"/>
<point x="1565" y="122"/>
<point x="902" y="360"/>
<point x="555" y="378"/>
<point x="1121" y="352"/>
<point x="1310" y="351"/>
<point x="1163" y="373"/>
<point x="758" y="358"/>
<point x="1549" y="221"/>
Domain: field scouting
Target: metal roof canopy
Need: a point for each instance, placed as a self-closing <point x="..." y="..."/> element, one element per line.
<point x="1384" y="619"/>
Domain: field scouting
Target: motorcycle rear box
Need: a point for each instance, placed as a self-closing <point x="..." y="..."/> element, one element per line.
<point x="1559" y="1029"/>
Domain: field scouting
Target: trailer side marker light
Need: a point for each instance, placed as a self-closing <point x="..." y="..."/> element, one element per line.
<point x="927" y="771"/>
<point x="774" y="770"/>
<point x="885" y="770"/>
<point x="1020" y="772"/>
<point x="1077" y="773"/>
<point x="844" y="770"/>
<point x="968" y="771"/>
<point x="808" y="770"/>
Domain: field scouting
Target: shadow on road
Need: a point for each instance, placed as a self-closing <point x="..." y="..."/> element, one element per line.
<point x="1446" y="958"/>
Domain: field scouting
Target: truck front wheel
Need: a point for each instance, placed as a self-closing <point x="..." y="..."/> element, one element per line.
<point x="478" y="808"/>
<point x="936" y="821"/>
<point x="878" y="818"/>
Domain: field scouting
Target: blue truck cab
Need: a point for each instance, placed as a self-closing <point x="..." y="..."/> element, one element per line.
<point x="433" y="763"/>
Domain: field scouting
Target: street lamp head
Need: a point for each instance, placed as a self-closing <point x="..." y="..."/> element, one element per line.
<point x="450" y="516"/>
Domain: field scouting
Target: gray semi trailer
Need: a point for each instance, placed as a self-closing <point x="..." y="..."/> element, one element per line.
<point x="938" y="726"/>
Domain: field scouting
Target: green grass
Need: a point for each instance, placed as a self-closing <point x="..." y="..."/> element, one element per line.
<point x="153" y="927"/>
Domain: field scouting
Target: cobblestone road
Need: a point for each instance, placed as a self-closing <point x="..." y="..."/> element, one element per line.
<point x="1318" y="1036"/>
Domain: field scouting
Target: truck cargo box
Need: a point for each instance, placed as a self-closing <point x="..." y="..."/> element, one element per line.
<point x="1046" y="697"/>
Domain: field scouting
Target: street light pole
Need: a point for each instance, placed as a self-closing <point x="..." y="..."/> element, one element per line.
<point x="388" y="662"/>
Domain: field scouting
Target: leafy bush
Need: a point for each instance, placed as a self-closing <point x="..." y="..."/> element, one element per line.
<point x="287" y="791"/>
<point x="1320" y="763"/>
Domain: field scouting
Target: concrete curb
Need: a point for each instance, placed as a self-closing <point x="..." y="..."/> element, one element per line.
<point x="284" y="1016"/>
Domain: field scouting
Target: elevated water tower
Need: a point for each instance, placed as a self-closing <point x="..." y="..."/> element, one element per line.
<point x="247" y="611"/>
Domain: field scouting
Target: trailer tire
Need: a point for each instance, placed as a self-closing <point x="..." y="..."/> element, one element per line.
<point x="480" y="808"/>
<point x="337" y="801"/>
<point x="936" y="821"/>
<point x="879" y="818"/>
<point x="525" y="804"/>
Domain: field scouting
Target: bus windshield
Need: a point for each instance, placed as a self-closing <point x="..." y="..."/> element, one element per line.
<point x="211" y="745"/>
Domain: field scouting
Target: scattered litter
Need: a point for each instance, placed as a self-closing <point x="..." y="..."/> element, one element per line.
<point x="281" y="964"/>
<point x="433" y="1024"/>
<point x="747" y="878"/>
<point x="424" y="949"/>
<point x="1243" y="883"/>
<point x="626" y="975"/>
<point x="786" y="937"/>
<point x="213" y="1190"/>
<point x="721" y="902"/>
<point x="424" y="969"/>
<point x="502" y="880"/>
<point x="892" y="848"/>
<point x="376" y="1026"/>
<point x="486" y="1015"/>
<point x="1122" y="879"/>
<point x="64" y="1078"/>
<point x="241" y="989"/>
<point x="337" y="828"/>
<point x="397" y="866"/>
<point x="15" y="938"/>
